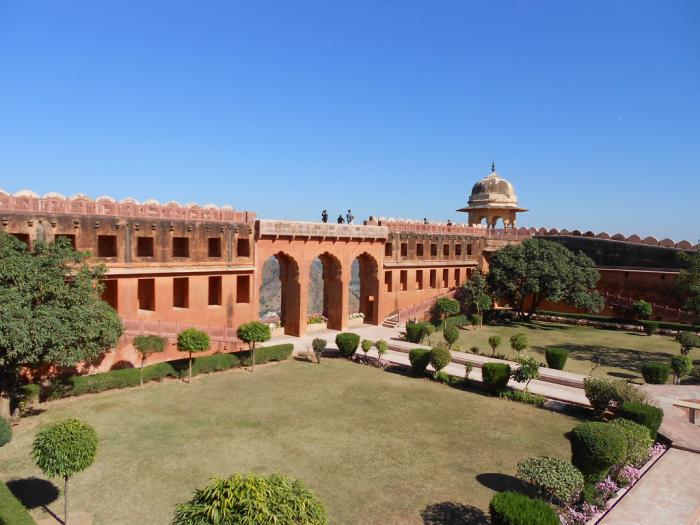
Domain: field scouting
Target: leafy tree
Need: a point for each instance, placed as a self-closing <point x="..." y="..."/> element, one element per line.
<point x="366" y="346"/>
<point x="451" y="335"/>
<point x="146" y="345"/>
<point x="494" y="343"/>
<point x="688" y="341"/>
<point x="519" y="342"/>
<point x="252" y="333"/>
<point x="382" y="347"/>
<point x="474" y="294"/>
<point x="252" y="499"/>
<point x="192" y="341"/>
<point x="528" y="370"/>
<point x="682" y="365"/>
<point x="642" y="309"/>
<point x="52" y="313"/>
<point x="476" y="321"/>
<point x="688" y="282"/>
<point x="428" y="330"/>
<point x="537" y="270"/>
<point x="63" y="450"/>
<point x="318" y="345"/>
<point x="444" y="307"/>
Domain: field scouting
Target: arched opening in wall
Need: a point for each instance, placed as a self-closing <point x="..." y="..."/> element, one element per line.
<point x="326" y="290"/>
<point x="280" y="293"/>
<point x="364" y="288"/>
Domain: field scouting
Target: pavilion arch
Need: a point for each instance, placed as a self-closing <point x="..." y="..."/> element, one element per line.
<point x="332" y="290"/>
<point x="369" y="287"/>
<point x="290" y="293"/>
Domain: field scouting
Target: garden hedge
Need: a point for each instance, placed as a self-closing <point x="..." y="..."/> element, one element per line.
<point x="618" y="320"/>
<point x="644" y="414"/>
<point x="12" y="512"/>
<point x="420" y="359"/>
<point x="656" y="373"/>
<point x="347" y="343"/>
<point x="415" y="332"/>
<point x="638" y="440"/>
<point x="650" y="327"/>
<point x="512" y="508"/>
<point x="595" y="447"/>
<point x="554" y="479"/>
<point x="495" y="376"/>
<point x="128" y="377"/>
<point x="556" y="357"/>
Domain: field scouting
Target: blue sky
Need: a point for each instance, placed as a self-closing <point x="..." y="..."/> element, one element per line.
<point x="394" y="108"/>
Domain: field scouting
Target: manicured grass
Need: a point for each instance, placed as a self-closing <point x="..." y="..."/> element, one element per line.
<point x="375" y="446"/>
<point x="621" y="353"/>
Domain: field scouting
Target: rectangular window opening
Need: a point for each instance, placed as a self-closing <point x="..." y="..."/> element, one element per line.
<point x="445" y="278"/>
<point x="215" y="290"/>
<point x="433" y="278"/>
<point x="419" y="279"/>
<point x="243" y="248"/>
<point x="144" y="246"/>
<point x="214" y="247"/>
<point x="110" y="293"/>
<point x="469" y="249"/>
<point x="181" y="292"/>
<point x="147" y="294"/>
<point x="181" y="247"/>
<point x="404" y="280"/>
<point x="419" y="249"/>
<point x="243" y="289"/>
<point x="445" y="250"/>
<point x="387" y="282"/>
<point x="457" y="276"/>
<point x="387" y="249"/>
<point x="458" y="250"/>
<point x="404" y="249"/>
<point x="106" y="245"/>
<point x="433" y="250"/>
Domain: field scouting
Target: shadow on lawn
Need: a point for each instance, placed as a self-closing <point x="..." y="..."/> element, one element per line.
<point x="451" y="513"/>
<point x="502" y="482"/>
<point x="33" y="492"/>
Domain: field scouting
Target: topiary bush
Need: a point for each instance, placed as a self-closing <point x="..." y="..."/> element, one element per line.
<point x="511" y="508"/>
<point x="347" y="343"/>
<point x="494" y="343"/>
<point x="638" y="440"/>
<point x="519" y="342"/>
<point x="556" y="357"/>
<point x="366" y="345"/>
<point x="644" y="414"/>
<point x="650" y="327"/>
<point x="610" y="393"/>
<point x="495" y="376"/>
<point x="415" y="332"/>
<point x="688" y="341"/>
<point x="554" y="479"/>
<point x="252" y="498"/>
<point x="595" y="447"/>
<point x="451" y="335"/>
<point x="681" y="365"/>
<point x="319" y="346"/>
<point x="5" y="431"/>
<point x="440" y="357"/>
<point x="420" y="359"/>
<point x="642" y="309"/>
<point x="655" y="373"/>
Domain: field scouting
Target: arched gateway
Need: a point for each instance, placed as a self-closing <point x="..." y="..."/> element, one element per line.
<point x="296" y="244"/>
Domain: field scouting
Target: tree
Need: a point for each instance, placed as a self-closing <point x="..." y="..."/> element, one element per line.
<point x="494" y="343"/>
<point x="318" y="345"/>
<point x="146" y="345"/>
<point x="642" y="309"/>
<point x="252" y="499"/>
<point x="382" y="346"/>
<point x="52" y="313"/>
<point x="428" y="330"/>
<point x="536" y="270"/>
<point x="688" y="341"/>
<point x="63" y="450"/>
<point x="518" y="342"/>
<point x="192" y="341"/>
<point x="528" y="370"/>
<point x="682" y="365"/>
<point x="366" y="346"/>
<point x="444" y="307"/>
<point x="476" y="321"/>
<point x="440" y="357"/>
<point x="474" y="294"/>
<point x="252" y="333"/>
<point x="451" y="335"/>
<point x="688" y="283"/>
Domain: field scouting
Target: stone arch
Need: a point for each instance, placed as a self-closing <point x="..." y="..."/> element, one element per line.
<point x="331" y="278"/>
<point x="290" y="292"/>
<point x="369" y="287"/>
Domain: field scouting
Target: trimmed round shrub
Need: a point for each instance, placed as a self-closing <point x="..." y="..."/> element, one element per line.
<point x="644" y="414"/>
<point x="476" y="320"/>
<point x="420" y="359"/>
<point x="638" y="440"/>
<point x="511" y="508"/>
<point x="519" y="342"/>
<point x="450" y="334"/>
<point x="416" y="332"/>
<point x="495" y="376"/>
<point x="650" y="327"/>
<point x="553" y="479"/>
<point x="252" y="498"/>
<point x="605" y="393"/>
<point x="494" y="343"/>
<point x="347" y="343"/>
<point x="440" y="357"/>
<point x="556" y="357"/>
<point x="688" y="341"/>
<point x="367" y="345"/>
<point x="595" y="447"/>
<point x="5" y="431"/>
<point x="655" y="373"/>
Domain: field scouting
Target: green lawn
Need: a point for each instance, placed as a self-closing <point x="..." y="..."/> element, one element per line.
<point x="620" y="353"/>
<point x="375" y="446"/>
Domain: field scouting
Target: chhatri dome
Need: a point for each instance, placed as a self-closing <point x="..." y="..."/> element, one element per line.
<point x="493" y="198"/>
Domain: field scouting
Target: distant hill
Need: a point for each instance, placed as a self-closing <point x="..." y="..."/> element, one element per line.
<point x="270" y="290"/>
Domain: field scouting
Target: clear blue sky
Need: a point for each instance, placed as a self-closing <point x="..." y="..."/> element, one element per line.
<point x="591" y="109"/>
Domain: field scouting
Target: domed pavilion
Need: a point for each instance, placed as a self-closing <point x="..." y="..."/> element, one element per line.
<point x="493" y="198"/>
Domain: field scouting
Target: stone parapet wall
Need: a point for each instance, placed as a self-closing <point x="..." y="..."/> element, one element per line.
<point x="299" y="229"/>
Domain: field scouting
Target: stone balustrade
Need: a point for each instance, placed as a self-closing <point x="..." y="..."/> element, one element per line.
<point x="299" y="229"/>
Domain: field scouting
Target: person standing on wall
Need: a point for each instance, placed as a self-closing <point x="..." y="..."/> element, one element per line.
<point x="340" y="219"/>
<point x="324" y="216"/>
<point x="350" y="217"/>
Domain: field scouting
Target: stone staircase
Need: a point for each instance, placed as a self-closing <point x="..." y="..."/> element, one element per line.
<point x="392" y="321"/>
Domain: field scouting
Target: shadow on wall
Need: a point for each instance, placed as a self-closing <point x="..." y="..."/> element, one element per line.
<point x="451" y="513"/>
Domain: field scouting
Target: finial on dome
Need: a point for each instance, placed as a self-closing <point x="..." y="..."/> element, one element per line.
<point x="493" y="167"/>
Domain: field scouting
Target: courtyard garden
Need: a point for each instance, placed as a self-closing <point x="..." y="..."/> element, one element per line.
<point x="375" y="447"/>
